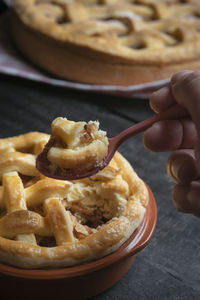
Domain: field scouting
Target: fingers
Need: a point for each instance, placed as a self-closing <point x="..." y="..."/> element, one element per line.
<point x="170" y="135"/>
<point x="183" y="89"/>
<point x="187" y="198"/>
<point x="163" y="136"/>
<point x="183" y="170"/>
<point x="162" y="99"/>
<point x="182" y="167"/>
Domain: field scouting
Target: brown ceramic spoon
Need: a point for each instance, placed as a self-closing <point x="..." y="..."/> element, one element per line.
<point x="42" y="163"/>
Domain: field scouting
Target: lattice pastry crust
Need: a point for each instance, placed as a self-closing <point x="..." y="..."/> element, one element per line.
<point x="52" y="223"/>
<point x="76" y="145"/>
<point x="109" y="41"/>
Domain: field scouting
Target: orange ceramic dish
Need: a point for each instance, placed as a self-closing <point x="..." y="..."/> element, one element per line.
<point x="83" y="281"/>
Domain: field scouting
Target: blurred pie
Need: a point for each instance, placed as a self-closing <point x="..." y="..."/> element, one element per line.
<point x="120" y="42"/>
<point x="52" y="223"/>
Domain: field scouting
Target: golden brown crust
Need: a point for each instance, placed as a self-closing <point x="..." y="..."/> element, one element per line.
<point x="53" y="223"/>
<point x="76" y="145"/>
<point x="120" y="43"/>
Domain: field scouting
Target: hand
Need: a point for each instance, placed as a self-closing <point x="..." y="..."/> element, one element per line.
<point x="180" y="136"/>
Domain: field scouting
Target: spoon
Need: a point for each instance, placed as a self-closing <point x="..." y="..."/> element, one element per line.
<point x="42" y="163"/>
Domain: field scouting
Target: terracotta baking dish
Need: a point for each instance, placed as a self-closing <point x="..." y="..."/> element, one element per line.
<point x="79" y="282"/>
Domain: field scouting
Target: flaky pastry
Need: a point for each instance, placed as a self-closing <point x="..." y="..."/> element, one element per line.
<point x="75" y="145"/>
<point x="107" y="42"/>
<point x="52" y="223"/>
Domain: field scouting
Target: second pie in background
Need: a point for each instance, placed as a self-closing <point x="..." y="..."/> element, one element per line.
<point x="109" y="42"/>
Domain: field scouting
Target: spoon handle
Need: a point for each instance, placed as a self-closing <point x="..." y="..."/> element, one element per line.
<point x="174" y="112"/>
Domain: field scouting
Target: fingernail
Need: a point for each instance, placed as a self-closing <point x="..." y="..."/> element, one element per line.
<point x="157" y="98"/>
<point x="182" y="170"/>
<point x="174" y="170"/>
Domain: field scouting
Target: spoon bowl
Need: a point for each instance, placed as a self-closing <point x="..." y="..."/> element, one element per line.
<point x="42" y="163"/>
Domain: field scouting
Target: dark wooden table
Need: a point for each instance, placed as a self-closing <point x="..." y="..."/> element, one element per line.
<point x="169" y="267"/>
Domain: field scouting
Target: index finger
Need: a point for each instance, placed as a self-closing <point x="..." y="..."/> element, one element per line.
<point x="163" y="98"/>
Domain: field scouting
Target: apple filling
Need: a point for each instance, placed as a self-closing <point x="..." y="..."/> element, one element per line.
<point x="75" y="146"/>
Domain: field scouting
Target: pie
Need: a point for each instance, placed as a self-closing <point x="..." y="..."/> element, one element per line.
<point x="109" y="42"/>
<point x="54" y="223"/>
<point x="75" y="145"/>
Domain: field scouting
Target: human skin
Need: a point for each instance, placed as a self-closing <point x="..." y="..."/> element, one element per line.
<point x="182" y="137"/>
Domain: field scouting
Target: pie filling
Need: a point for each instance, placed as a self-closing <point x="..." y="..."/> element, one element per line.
<point x="75" y="146"/>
